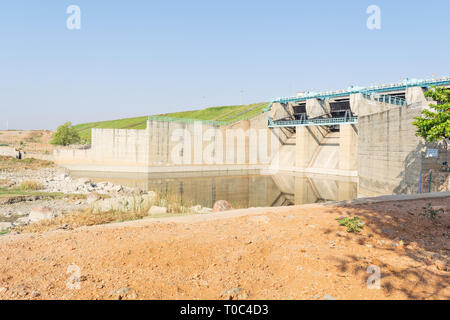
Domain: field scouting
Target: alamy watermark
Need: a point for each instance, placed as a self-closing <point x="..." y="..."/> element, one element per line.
<point x="73" y="282"/>
<point x="374" y="20"/>
<point x="73" y="22"/>
<point x="204" y="145"/>
<point x="374" y="281"/>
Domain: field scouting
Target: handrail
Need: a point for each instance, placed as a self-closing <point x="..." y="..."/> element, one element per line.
<point x="312" y="122"/>
<point x="386" y="99"/>
<point x="372" y="89"/>
<point x="185" y="120"/>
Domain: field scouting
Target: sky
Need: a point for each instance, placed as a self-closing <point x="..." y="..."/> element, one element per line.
<point x="135" y="58"/>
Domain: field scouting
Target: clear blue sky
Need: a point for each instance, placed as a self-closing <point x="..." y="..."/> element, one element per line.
<point x="133" y="58"/>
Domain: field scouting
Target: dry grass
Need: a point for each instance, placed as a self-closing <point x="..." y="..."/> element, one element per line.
<point x="79" y="219"/>
<point x="11" y="163"/>
<point x="89" y="217"/>
<point x="30" y="186"/>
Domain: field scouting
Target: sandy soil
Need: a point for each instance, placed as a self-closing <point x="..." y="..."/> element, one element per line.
<point x="276" y="253"/>
<point x="32" y="140"/>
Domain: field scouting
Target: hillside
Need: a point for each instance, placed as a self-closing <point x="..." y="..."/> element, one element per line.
<point x="222" y="115"/>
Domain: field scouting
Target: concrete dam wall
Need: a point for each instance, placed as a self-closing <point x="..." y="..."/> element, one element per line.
<point x="178" y="147"/>
<point x="369" y="136"/>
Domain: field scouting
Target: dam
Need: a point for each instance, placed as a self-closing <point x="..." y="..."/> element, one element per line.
<point x="365" y="133"/>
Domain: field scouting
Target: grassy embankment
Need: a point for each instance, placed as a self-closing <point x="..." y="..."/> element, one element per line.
<point x="224" y="115"/>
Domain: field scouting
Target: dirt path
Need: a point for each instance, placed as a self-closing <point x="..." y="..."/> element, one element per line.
<point x="277" y="253"/>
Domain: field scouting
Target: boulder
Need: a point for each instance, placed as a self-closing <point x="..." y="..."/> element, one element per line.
<point x="157" y="210"/>
<point x="222" y="205"/>
<point x="4" y="226"/>
<point x="196" y="208"/>
<point x="41" y="213"/>
<point x="136" y="191"/>
<point x="92" y="197"/>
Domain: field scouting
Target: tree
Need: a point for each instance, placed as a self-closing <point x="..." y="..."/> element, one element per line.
<point x="434" y="125"/>
<point x="65" y="135"/>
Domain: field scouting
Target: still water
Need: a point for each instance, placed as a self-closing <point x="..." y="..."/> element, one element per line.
<point x="241" y="189"/>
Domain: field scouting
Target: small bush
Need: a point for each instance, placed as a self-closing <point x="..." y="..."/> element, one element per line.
<point x="30" y="186"/>
<point x="354" y="224"/>
<point x="430" y="213"/>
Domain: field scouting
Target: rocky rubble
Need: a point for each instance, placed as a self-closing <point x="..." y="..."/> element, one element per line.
<point x="56" y="180"/>
<point x="96" y="196"/>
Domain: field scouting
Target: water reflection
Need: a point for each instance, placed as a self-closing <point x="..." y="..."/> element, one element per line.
<point x="243" y="190"/>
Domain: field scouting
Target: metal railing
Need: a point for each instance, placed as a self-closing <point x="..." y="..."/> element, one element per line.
<point x="425" y="83"/>
<point x="386" y="99"/>
<point x="312" y="122"/>
<point x="184" y="120"/>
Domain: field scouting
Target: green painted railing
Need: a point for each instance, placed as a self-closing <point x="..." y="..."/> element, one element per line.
<point x="386" y="99"/>
<point x="312" y="122"/>
<point x="184" y="120"/>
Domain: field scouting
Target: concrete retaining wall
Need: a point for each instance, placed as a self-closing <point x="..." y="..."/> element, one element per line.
<point x="172" y="146"/>
<point x="389" y="154"/>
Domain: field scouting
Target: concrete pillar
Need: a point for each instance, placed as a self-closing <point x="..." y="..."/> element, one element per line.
<point x="307" y="142"/>
<point x="281" y="111"/>
<point x="237" y="141"/>
<point x="415" y="95"/>
<point x="317" y="108"/>
<point x="348" y="147"/>
<point x="346" y="190"/>
<point x="355" y="100"/>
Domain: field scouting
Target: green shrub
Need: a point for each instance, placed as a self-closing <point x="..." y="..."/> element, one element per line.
<point x="430" y="213"/>
<point x="65" y="135"/>
<point x="354" y="224"/>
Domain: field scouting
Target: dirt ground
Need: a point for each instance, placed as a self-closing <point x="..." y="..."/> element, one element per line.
<point x="36" y="141"/>
<point x="268" y="253"/>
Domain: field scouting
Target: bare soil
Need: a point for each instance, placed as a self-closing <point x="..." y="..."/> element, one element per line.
<point x="267" y="253"/>
<point x="36" y="141"/>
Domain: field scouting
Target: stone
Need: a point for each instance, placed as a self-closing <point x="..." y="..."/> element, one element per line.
<point x="233" y="294"/>
<point x="41" y="213"/>
<point x="157" y="210"/>
<point x="328" y="297"/>
<point x="136" y="190"/>
<point x="222" y="205"/>
<point x="442" y="265"/>
<point x="132" y="296"/>
<point x="4" y="226"/>
<point x="196" y="208"/>
<point x="388" y="231"/>
<point x="22" y="221"/>
<point x="151" y="194"/>
<point x="92" y="197"/>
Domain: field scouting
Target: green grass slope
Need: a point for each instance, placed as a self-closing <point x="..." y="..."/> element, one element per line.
<point x="225" y="115"/>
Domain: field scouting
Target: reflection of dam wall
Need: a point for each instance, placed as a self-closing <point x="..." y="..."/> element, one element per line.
<point x="307" y="188"/>
<point x="242" y="190"/>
